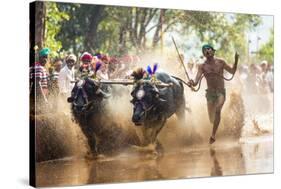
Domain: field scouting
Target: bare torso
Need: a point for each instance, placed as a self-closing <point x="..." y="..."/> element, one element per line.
<point x="213" y="71"/>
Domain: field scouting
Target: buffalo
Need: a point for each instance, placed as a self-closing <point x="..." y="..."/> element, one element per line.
<point x="90" y="108"/>
<point x="88" y="104"/>
<point x="153" y="105"/>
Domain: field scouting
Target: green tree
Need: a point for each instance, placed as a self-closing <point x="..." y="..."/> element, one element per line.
<point x="119" y="30"/>
<point x="81" y="30"/>
<point x="266" y="51"/>
<point x="227" y="32"/>
<point x="53" y="20"/>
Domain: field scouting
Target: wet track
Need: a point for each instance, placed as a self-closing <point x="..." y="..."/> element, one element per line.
<point x="252" y="153"/>
<point x="248" y="156"/>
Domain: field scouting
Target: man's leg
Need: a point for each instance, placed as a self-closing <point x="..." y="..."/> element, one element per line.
<point x="211" y="111"/>
<point x="218" y="108"/>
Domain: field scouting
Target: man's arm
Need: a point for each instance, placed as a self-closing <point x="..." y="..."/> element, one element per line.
<point x="233" y="69"/>
<point x="198" y="76"/>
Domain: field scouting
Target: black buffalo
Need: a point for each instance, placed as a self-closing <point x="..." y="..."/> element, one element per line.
<point x="154" y="105"/>
<point x="88" y="104"/>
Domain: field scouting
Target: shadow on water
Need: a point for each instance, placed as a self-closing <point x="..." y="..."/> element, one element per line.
<point x="124" y="170"/>
<point x="216" y="169"/>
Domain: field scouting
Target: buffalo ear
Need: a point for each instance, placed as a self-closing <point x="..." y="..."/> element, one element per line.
<point x="70" y="99"/>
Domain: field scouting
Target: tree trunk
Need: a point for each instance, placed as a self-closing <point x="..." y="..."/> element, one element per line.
<point x="142" y="28"/>
<point x="40" y="13"/>
<point x="91" y="38"/>
<point x="156" y="35"/>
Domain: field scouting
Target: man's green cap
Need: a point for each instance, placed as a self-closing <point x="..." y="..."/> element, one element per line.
<point x="44" y="52"/>
<point x="208" y="46"/>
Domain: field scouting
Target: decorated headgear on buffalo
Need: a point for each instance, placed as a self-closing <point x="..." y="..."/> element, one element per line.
<point x="86" y="56"/>
<point x="153" y="70"/>
<point x="138" y="73"/>
<point x="44" y="52"/>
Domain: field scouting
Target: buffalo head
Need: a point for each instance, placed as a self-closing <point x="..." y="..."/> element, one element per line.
<point x="86" y="93"/>
<point x="145" y="100"/>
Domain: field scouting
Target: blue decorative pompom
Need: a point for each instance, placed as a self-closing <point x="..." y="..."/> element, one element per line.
<point x="98" y="65"/>
<point x="148" y="69"/>
<point x="155" y="66"/>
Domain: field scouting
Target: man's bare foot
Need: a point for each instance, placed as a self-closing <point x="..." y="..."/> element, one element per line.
<point x="91" y="155"/>
<point x="212" y="140"/>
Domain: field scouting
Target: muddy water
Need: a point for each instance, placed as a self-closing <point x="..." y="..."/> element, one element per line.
<point x="248" y="156"/>
<point x="251" y="154"/>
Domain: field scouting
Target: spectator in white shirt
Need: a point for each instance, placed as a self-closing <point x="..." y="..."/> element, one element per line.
<point x="67" y="75"/>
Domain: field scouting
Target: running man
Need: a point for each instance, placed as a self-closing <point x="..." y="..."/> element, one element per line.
<point x="212" y="69"/>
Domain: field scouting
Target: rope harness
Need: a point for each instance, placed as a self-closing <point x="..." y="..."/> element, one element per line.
<point x="212" y="73"/>
<point x="146" y="110"/>
<point x="203" y="75"/>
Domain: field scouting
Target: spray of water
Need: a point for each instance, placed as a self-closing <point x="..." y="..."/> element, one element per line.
<point x="57" y="136"/>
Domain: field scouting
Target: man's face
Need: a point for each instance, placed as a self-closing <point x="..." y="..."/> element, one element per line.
<point x="43" y="59"/>
<point x="263" y="67"/>
<point x="58" y="66"/>
<point x="86" y="61"/>
<point x="70" y="63"/>
<point x="208" y="52"/>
